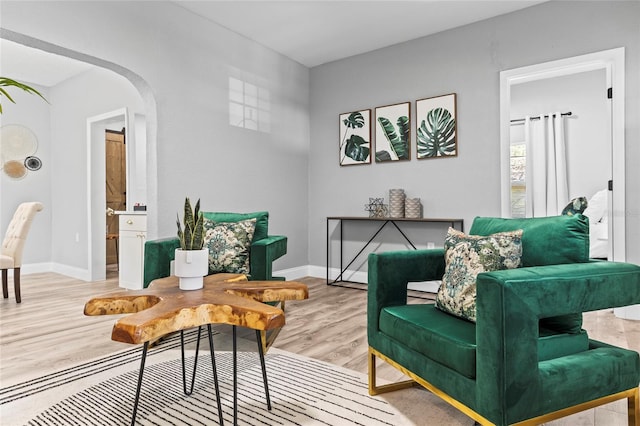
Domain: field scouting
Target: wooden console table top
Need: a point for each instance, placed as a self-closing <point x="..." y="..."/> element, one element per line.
<point x="163" y="308"/>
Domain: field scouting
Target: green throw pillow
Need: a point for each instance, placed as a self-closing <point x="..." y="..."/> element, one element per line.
<point x="465" y="257"/>
<point x="229" y="244"/>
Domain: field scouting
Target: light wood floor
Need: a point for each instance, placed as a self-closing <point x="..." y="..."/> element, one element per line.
<point x="48" y="330"/>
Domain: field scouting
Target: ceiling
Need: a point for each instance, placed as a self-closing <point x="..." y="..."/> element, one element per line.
<point x="309" y="32"/>
<point x="316" y="32"/>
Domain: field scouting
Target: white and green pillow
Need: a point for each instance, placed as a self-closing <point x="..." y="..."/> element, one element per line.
<point x="229" y="245"/>
<point x="465" y="257"/>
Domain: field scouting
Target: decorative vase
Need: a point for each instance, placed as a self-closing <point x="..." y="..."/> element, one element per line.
<point x="191" y="266"/>
<point x="412" y="208"/>
<point x="396" y="203"/>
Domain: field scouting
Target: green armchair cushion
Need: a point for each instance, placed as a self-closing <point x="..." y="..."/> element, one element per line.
<point x="468" y="255"/>
<point x="441" y="337"/>
<point x="447" y="340"/>
<point x="262" y="221"/>
<point x="545" y="240"/>
<point x="229" y="244"/>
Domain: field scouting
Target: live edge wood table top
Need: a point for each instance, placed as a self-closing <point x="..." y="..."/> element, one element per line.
<point x="163" y="308"/>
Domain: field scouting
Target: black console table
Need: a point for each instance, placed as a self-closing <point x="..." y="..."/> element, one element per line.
<point x="383" y="221"/>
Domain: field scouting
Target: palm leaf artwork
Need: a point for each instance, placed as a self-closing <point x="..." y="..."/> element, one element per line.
<point x="437" y="134"/>
<point x="353" y="145"/>
<point x="399" y="142"/>
<point x="8" y="82"/>
<point x="355" y="150"/>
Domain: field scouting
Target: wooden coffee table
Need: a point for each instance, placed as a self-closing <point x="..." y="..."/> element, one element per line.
<point x="163" y="308"/>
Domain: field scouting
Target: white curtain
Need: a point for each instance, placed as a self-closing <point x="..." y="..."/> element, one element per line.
<point x="546" y="169"/>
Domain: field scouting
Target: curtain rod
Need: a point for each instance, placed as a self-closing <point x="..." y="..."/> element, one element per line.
<point x="521" y="120"/>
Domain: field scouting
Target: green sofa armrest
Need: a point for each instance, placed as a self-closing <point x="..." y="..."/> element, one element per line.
<point x="158" y="255"/>
<point x="511" y="384"/>
<point x="389" y="274"/>
<point x="263" y="253"/>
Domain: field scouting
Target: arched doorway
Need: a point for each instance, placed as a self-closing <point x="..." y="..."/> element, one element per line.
<point x="93" y="247"/>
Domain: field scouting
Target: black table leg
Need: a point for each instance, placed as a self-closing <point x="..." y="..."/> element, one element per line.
<point x="195" y="363"/>
<point x="235" y="379"/>
<point x="142" y="361"/>
<point x="264" y="369"/>
<point x="215" y="375"/>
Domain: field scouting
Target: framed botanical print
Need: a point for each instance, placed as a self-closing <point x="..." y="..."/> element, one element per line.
<point x="393" y="132"/>
<point x="355" y="137"/>
<point x="436" y="127"/>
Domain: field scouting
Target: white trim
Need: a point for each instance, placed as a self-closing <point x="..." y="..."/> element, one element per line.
<point x="613" y="62"/>
<point x="58" y="268"/>
<point x="95" y="214"/>
<point x="71" y="271"/>
<point x="32" y="268"/>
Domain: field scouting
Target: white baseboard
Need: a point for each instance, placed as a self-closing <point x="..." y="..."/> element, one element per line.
<point x="72" y="271"/>
<point x="58" y="268"/>
<point x="293" y="273"/>
<point x="33" y="268"/>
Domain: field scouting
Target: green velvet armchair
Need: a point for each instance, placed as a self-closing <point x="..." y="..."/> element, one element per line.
<point x="526" y="359"/>
<point x="265" y="249"/>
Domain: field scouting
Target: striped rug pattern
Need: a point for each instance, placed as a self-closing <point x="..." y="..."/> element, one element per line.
<point x="303" y="391"/>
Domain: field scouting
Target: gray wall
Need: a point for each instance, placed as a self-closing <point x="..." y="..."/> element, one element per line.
<point x="467" y="61"/>
<point x="30" y="111"/>
<point x="181" y="64"/>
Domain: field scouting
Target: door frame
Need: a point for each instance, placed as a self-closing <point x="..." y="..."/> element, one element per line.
<point x="612" y="61"/>
<point x="96" y="192"/>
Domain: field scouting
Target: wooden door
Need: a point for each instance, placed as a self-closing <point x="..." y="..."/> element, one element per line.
<point x="116" y="187"/>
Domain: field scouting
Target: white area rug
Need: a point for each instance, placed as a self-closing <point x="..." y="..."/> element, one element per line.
<point x="303" y="391"/>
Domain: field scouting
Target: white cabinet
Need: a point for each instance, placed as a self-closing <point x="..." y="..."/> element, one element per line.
<point x="133" y="234"/>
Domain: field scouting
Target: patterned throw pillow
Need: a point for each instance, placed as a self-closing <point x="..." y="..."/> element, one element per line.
<point x="575" y="206"/>
<point x="229" y="244"/>
<point x="465" y="257"/>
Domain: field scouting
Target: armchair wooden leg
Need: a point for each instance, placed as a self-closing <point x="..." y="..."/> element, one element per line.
<point x="5" y="287"/>
<point x="16" y="284"/>
<point x="633" y="407"/>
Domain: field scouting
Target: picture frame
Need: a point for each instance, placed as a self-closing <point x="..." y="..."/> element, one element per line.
<point x="355" y="137"/>
<point x="436" y="127"/>
<point x="393" y="132"/>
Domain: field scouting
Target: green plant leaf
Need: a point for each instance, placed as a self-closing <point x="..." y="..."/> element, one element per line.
<point x="399" y="141"/>
<point x="8" y="82"/>
<point x="403" y="128"/>
<point x="355" y="150"/>
<point x="355" y="120"/>
<point x="383" y="156"/>
<point x="192" y="238"/>
<point x="437" y="134"/>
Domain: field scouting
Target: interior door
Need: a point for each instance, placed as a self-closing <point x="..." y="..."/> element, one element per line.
<point x="116" y="187"/>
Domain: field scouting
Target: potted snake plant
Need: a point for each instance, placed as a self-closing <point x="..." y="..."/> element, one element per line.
<point x="191" y="259"/>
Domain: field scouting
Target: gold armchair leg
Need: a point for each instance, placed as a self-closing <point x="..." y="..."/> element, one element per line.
<point x="376" y="390"/>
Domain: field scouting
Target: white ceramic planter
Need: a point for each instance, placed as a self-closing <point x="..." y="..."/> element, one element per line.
<point x="191" y="266"/>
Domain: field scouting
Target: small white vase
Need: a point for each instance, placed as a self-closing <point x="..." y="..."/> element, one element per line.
<point x="191" y="266"/>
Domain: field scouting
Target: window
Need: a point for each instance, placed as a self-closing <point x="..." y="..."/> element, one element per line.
<point x="249" y="106"/>
<point x="518" y="179"/>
